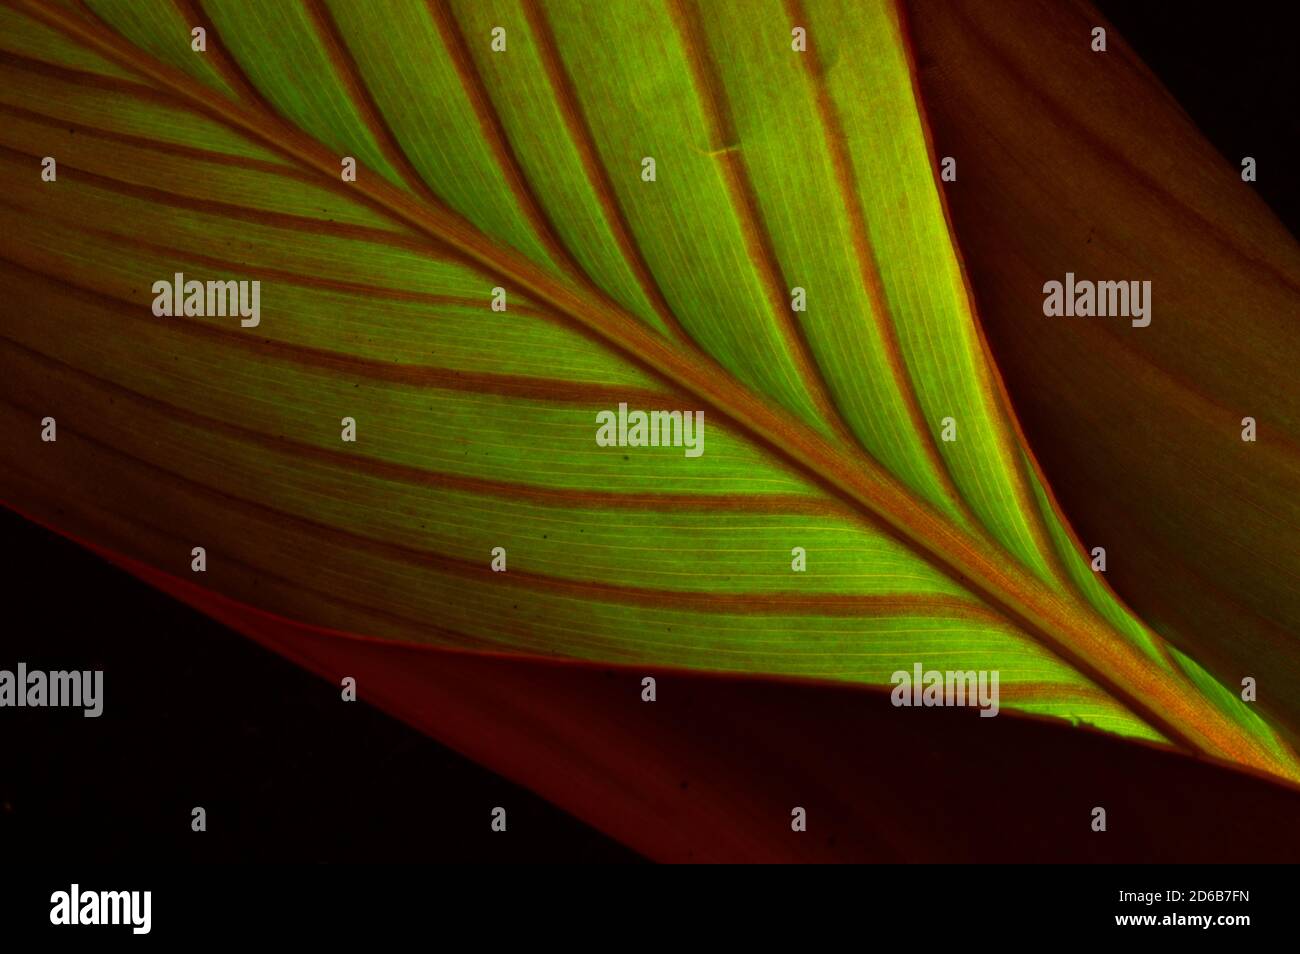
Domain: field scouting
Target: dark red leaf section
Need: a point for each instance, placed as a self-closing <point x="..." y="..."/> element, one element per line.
<point x="1075" y="161"/>
<point x="712" y="770"/>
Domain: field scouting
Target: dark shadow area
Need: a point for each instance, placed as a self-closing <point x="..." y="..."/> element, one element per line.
<point x="1231" y="67"/>
<point x="196" y="714"/>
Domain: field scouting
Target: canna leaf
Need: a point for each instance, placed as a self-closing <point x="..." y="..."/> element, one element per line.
<point x="870" y="431"/>
<point x="1202" y="526"/>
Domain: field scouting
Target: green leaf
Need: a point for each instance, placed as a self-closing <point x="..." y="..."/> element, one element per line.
<point x="1141" y="430"/>
<point x="522" y="169"/>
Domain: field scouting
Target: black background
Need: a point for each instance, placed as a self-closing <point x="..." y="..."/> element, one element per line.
<point x="198" y="715"/>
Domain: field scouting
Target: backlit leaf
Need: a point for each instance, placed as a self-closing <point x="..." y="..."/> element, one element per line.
<point x="522" y="169"/>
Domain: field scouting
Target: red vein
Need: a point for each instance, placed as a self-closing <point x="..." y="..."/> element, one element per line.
<point x="166" y="148"/>
<point x="584" y="142"/>
<point x="195" y="16"/>
<point x="869" y="269"/>
<point x="280" y="220"/>
<point x="778" y="504"/>
<point x="448" y="379"/>
<point x="494" y="134"/>
<point x="1074" y="631"/>
<point x="705" y="602"/>
<point x="349" y="73"/>
<point x="254" y="270"/>
<point x="142" y="524"/>
<point x="97" y="81"/>
<point x="758" y="240"/>
<point x="992" y="377"/>
<point x="428" y="246"/>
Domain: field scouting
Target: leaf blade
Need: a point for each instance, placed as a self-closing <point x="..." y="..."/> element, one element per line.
<point x="785" y="427"/>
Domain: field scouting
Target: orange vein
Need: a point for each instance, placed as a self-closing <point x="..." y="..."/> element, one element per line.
<point x="758" y="242"/>
<point x="995" y="386"/>
<point x="1074" y="631"/>
<point x="494" y="135"/>
<point x="584" y="142"/>
<point x="195" y="16"/>
<point x="349" y="73"/>
<point x="142" y="523"/>
<point x="709" y="602"/>
<point x="84" y="78"/>
<point x="768" y="504"/>
<point x="166" y="148"/>
<point x="280" y="220"/>
<point x="563" y="390"/>
<point x="869" y="269"/>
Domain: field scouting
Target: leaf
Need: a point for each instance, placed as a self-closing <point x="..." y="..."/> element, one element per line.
<point x="522" y="170"/>
<point x="1140" y="432"/>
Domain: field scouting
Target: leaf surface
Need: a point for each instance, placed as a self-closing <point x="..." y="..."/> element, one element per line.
<point x="1140" y="430"/>
<point x="522" y="169"/>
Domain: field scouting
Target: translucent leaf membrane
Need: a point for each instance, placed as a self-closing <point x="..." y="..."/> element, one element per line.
<point x="861" y="502"/>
